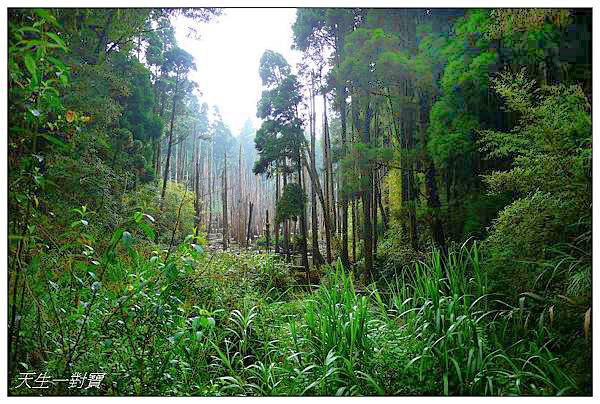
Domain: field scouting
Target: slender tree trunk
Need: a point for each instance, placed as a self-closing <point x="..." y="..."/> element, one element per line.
<point x="381" y="208"/>
<point x="209" y="185"/>
<point x="164" y="187"/>
<point x="344" y="195"/>
<point x="316" y="255"/>
<point x="303" y="243"/>
<point x="329" y="194"/>
<point x="276" y="226"/>
<point x="267" y="235"/>
<point x="374" y="210"/>
<point x="176" y="162"/>
<point x="367" y="198"/>
<point x="315" y="182"/>
<point x="354" y="230"/>
<point x="249" y="222"/>
<point x="159" y="140"/>
<point x="225" y="218"/>
<point x="197" y="184"/>
<point x="286" y="228"/>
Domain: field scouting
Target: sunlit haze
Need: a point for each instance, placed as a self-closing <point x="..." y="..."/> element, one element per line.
<point x="228" y="53"/>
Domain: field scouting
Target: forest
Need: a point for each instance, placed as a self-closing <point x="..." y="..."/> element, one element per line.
<point x="412" y="216"/>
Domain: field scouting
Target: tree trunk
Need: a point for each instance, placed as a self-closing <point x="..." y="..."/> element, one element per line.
<point x="316" y="255"/>
<point x="249" y="221"/>
<point x="353" y="230"/>
<point x="164" y="187"/>
<point x="344" y="195"/>
<point x="329" y="209"/>
<point x="367" y="198"/>
<point x="197" y="183"/>
<point x="267" y="236"/>
<point x="225" y="218"/>
<point x="276" y="226"/>
<point x="303" y="243"/>
<point x="286" y="227"/>
<point x="209" y="185"/>
<point x="315" y="182"/>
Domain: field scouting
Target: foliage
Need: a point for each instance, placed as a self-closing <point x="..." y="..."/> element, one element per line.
<point x="550" y="149"/>
<point x="291" y="203"/>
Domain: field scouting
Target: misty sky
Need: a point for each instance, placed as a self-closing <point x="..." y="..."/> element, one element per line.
<point x="227" y="57"/>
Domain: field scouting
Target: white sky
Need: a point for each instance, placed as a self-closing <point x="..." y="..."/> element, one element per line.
<point x="227" y="57"/>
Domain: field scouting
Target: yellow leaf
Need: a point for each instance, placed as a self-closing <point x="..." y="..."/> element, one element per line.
<point x="70" y="116"/>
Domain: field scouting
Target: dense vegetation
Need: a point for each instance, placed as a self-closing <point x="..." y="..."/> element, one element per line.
<point x="432" y="235"/>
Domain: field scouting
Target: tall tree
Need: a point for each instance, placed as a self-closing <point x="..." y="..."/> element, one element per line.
<point x="281" y="138"/>
<point x="179" y="62"/>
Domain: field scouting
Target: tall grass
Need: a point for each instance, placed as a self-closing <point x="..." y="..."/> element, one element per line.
<point x="479" y="344"/>
<point x="219" y="326"/>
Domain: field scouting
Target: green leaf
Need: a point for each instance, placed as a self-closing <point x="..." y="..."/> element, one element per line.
<point x="31" y="67"/>
<point x="53" y="140"/>
<point x="137" y="216"/>
<point x="57" y="39"/>
<point x="57" y="62"/>
<point x="198" y="248"/>
<point x="28" y="29"/>
<point x="147" y="230"/>
<point x="64" y="79"/>
<point x="46" y="15"/>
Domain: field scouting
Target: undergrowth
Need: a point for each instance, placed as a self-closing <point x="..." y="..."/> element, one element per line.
<point x="185" y="322"/>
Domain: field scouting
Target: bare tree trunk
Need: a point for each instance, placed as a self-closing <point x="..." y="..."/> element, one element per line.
<point x="329" y="194"/>
<point x="303" y="243"/>
<point x="380" y="203"/>
<point x="241" y="213"/>
<point x="316" y="255"/>
<point x="249" y="222"/>
<point x="367" y="198"/>
<point x="328" y="230"/>
<point x="225" y="218"/>
<point x="209" y="185"/>
<point x="276" y="226"/>
<point x="197" y="182"/>
<point x="374" y="210"/>
<point x="286" y="227"/>
<point x="267" y="235"/>
<point x="164" y="187"/>
<point x="353" y="230"/>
